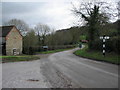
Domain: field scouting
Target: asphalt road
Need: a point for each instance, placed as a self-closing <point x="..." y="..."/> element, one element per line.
<point x="81" y="72"/>
<point x="62" y="69"/>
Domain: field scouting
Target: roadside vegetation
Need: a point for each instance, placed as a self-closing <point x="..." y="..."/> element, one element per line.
<point x="97" y="55"/>
<point x="96" y="17"/>
<point x="6" y="59"/>
<point x="53" y="51"/>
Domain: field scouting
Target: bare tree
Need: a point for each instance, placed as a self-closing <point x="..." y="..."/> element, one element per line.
<point x="118" y="8"/>
<point x="50" y="38"/>
<point x="42" y="30"/>
<point x="29" y="42"/>
<point x="95" y="15"/>
<point x="118" y="22"/>
<point x="20" y="24"/>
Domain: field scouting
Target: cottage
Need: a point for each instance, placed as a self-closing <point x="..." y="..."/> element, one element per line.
<point x="10" y="40"/>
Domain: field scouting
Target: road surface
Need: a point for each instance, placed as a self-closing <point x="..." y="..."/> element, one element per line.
<point x="23" y="75"/>
<point x="62" y="69"/>
<point x="81" y="72"/>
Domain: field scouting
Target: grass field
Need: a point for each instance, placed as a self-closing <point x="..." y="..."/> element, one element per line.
<point x="27" y="57"/>
<point x="96" y="55"/>
<point x="18" y="58"/>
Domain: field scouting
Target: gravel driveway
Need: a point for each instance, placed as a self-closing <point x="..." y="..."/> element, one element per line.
<point x="23" y="75"/>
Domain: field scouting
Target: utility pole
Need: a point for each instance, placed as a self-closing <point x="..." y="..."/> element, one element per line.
<point x="104" y="37"/>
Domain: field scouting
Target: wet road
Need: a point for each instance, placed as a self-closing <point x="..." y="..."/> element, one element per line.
<point x="62" y="69"/>
<point x="82" y="72"/>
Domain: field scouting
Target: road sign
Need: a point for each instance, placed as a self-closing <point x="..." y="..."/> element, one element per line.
<point x="104" y="37"/>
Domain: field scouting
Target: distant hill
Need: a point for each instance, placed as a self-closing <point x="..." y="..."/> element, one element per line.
<point x="74" y="34"/>
<point x="107" y="29"/>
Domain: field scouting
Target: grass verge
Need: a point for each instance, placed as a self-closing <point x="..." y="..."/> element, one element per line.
<point x="97" y="55"/>
<point x="19" y="58"/>
<point x="53" y="51"/>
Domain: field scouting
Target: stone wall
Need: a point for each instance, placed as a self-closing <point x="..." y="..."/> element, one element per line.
<point x="13" y="41"/>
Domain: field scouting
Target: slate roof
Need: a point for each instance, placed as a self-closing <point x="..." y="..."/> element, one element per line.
<point x="4" y="30"/>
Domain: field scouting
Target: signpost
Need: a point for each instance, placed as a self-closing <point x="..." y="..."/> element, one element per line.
<point x="104" y="37"/>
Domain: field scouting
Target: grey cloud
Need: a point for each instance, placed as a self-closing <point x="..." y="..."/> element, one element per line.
<point x="21" y="10"/>
<point x="51" y="13"/>
<point x="19" y="7"/>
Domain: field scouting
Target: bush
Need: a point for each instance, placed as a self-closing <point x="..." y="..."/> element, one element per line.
<point x="63" y="46"/>
<point x="31" y="51"/>
<point x="97" y="45"/>
<point x="112" y="45"/>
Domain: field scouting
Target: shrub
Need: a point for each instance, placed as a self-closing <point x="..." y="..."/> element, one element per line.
<point x="112" y="45"/>
<point x="31" y="51"/>
<point x="97" y="44"/>
<point x="115" y="43"/>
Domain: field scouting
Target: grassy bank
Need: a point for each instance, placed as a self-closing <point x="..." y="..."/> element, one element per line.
<point x="18" y="58"/>
<point x="96" y="55"/>
<point x="53" y="51"/>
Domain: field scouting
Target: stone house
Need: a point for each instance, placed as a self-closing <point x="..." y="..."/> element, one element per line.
<point x="11" y="40"/>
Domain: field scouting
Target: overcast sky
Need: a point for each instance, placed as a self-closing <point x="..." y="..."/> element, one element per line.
<point x="56" y="13"/>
